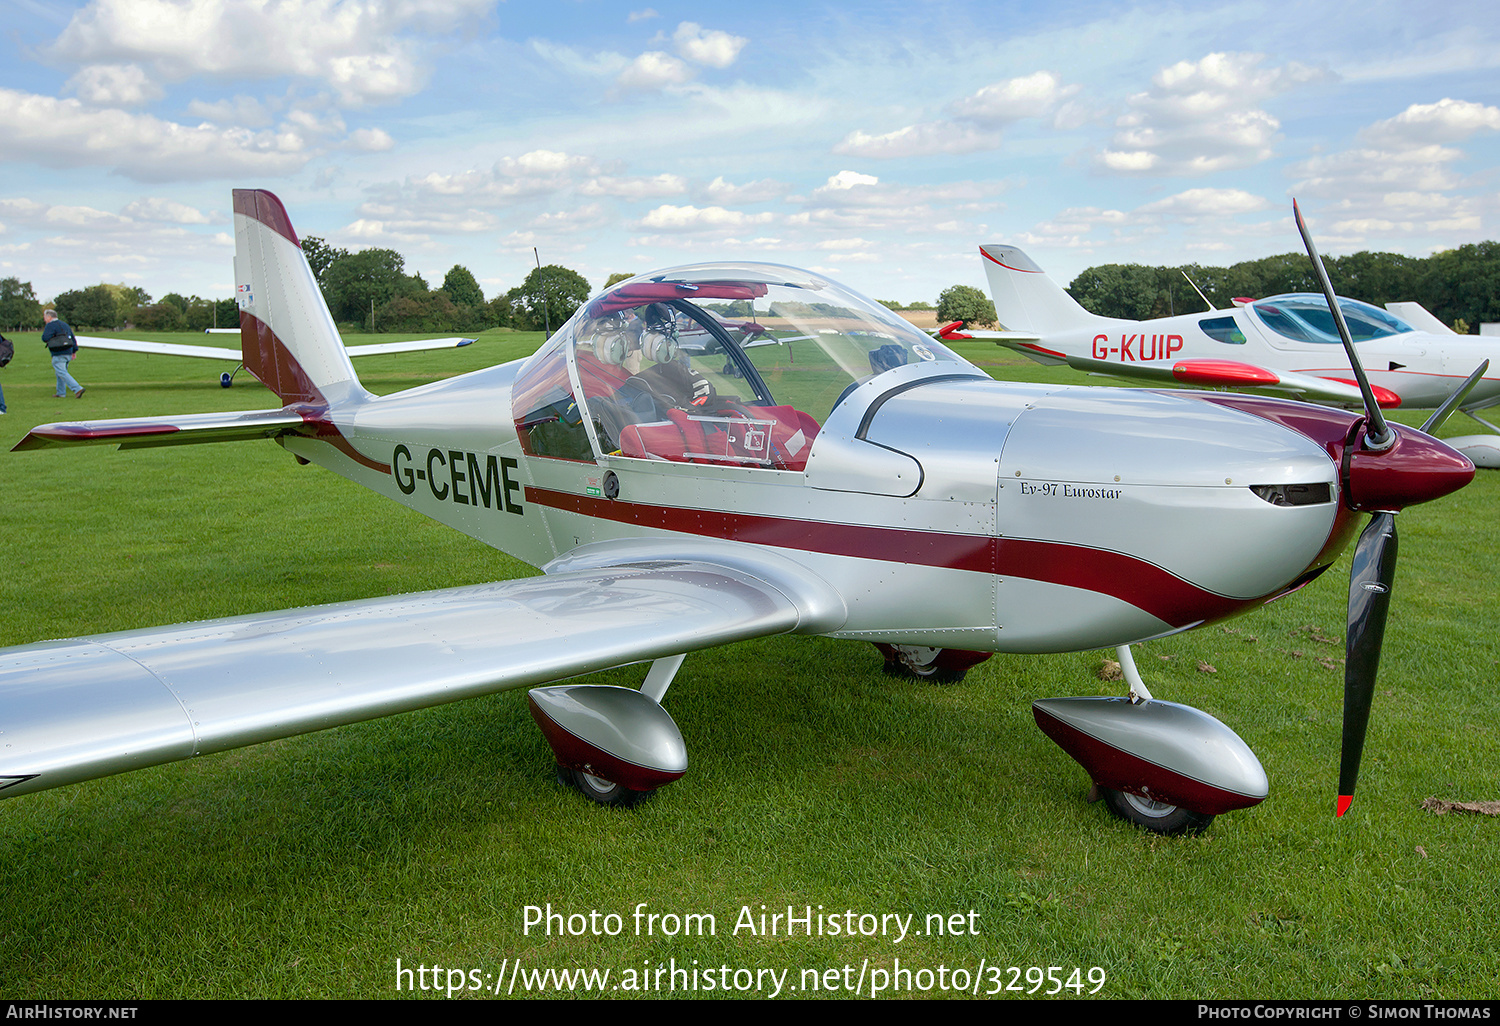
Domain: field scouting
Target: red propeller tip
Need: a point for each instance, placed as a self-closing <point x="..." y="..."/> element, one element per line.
<point x="1345" y="800"/>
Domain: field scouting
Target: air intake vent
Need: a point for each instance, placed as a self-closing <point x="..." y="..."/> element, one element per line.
<point x="1294" y="494"/>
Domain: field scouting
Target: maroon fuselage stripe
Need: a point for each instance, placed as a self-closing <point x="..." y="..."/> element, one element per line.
<point x="268" y="358"/>
<point x="1144" y="585"/>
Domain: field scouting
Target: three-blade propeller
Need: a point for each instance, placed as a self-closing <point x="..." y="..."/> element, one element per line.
<point x="1373" y="569"/>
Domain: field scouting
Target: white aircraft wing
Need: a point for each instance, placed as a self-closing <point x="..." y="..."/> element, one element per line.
<point x="1236" y="374"/>
<point x="125" y="345"/>
<point x="88" y="707"/>
<point x="233" y="355"/>
<point x="1209" y="373"/>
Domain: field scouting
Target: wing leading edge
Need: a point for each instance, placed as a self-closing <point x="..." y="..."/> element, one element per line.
<point x="89" y="707"/>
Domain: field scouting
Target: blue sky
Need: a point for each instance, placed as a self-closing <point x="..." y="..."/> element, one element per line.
<point x="879" y="143"/>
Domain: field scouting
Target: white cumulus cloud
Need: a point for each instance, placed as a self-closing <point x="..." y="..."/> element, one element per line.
<point x="653" y="70"/>
<point x="364" y="49"/>
<point x="65" y="133"/>
<point x="713" y="48"/>
<point x="1203" y="116"/>
<point x="114" y="85"/>
<point x="974" y="123"/>
<point x="690" y="218"/>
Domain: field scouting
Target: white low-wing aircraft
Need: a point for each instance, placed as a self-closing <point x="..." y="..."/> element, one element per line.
<point x="724" y="451"/>
<point x="1287" y="344"/>
<point x="226" y="379"/>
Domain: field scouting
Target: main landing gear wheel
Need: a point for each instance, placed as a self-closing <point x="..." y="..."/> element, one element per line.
<point x="1156" y="817"/>
<point x="935" y="665"/>
<point x="226" y="379"/>
<point x="604" y="792"/>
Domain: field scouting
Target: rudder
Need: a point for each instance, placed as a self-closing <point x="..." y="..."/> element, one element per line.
<point x="287" y="336"/>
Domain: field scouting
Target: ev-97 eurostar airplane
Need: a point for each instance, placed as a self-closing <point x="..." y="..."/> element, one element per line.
<point x="1284" y="344"/>
<point x="724" y="451"/>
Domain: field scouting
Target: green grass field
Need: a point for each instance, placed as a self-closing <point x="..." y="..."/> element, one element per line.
<point x="308" y="867"/>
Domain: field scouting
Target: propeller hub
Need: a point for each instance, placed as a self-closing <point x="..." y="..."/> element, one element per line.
<point x="1415" y="468"/>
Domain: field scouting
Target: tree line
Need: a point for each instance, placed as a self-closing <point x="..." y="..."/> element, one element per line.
<point x="1461" y="287"/>
<point x="365" y="290"/>
<point x="370" y="290"/>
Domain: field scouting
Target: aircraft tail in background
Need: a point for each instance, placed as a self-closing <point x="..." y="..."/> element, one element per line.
<point x="1026" y="299"/>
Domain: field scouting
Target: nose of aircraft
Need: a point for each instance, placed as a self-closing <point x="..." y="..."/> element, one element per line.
<point x="1416" y="468"/>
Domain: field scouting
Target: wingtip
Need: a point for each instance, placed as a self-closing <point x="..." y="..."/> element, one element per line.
<point x="1345" y="800"/>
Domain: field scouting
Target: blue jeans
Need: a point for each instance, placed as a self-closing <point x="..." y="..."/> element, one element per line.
<point x="64" y="379"/>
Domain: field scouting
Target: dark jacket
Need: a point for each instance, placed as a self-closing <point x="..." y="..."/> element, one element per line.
<point x="59" y="338"/>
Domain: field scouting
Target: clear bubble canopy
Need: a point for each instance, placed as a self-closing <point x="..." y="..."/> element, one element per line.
<point x="724" y="362"/>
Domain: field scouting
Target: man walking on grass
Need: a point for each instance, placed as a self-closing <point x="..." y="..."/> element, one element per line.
<point x="59" y="340"/>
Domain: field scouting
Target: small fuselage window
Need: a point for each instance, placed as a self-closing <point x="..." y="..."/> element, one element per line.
<point x="1223" y="329"/>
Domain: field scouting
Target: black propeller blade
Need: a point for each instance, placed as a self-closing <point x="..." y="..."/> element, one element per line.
<point x="1378" y="435"/>
<point x="1450" y="404"/>
<point x="1374" y="565"/>
<point x="1370" y="577"/>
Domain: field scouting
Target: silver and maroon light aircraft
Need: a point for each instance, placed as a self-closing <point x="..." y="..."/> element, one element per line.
<point x="1284" y="344"/>
<point x="724" y="451"/>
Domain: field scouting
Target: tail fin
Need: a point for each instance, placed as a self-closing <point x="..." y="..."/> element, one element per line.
<point x="287" y="336"/>
<point x="1025" y="298"/>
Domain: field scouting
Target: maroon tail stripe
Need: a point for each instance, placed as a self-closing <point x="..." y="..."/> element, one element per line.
<point x="1144" y="585"/>
<point x="260" y="205"/>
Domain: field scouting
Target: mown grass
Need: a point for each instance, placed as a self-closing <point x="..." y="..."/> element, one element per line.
<point x="307" y="867"/>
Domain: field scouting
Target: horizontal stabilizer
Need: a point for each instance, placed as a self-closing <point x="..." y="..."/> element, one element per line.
<point x="88" y="707"/>
<point x="1419" y="317"/>
<point x="188" y="429"/>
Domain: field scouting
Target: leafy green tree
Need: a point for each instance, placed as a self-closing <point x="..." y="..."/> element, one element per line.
<point x="353" y="283"/>
<point x="619" y="276"/>
<point x="161" y="316"/>
<point x="500" y="311"/>
<point x="549" y="296"/>
<point x="18" y="305"/>
<point x="461" y="287"/>
<point x="965" y="303"/>
<point x="1116" y="290"/>
<point x="93" y="308"/>
<point x="320" y="255"/>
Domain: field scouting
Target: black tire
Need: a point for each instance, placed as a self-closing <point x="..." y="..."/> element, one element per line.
<point x="1154" y="816"/>
<point x="226" y="379"/>
<point x="933" y="665"/>
<point x="601" y="791"/>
